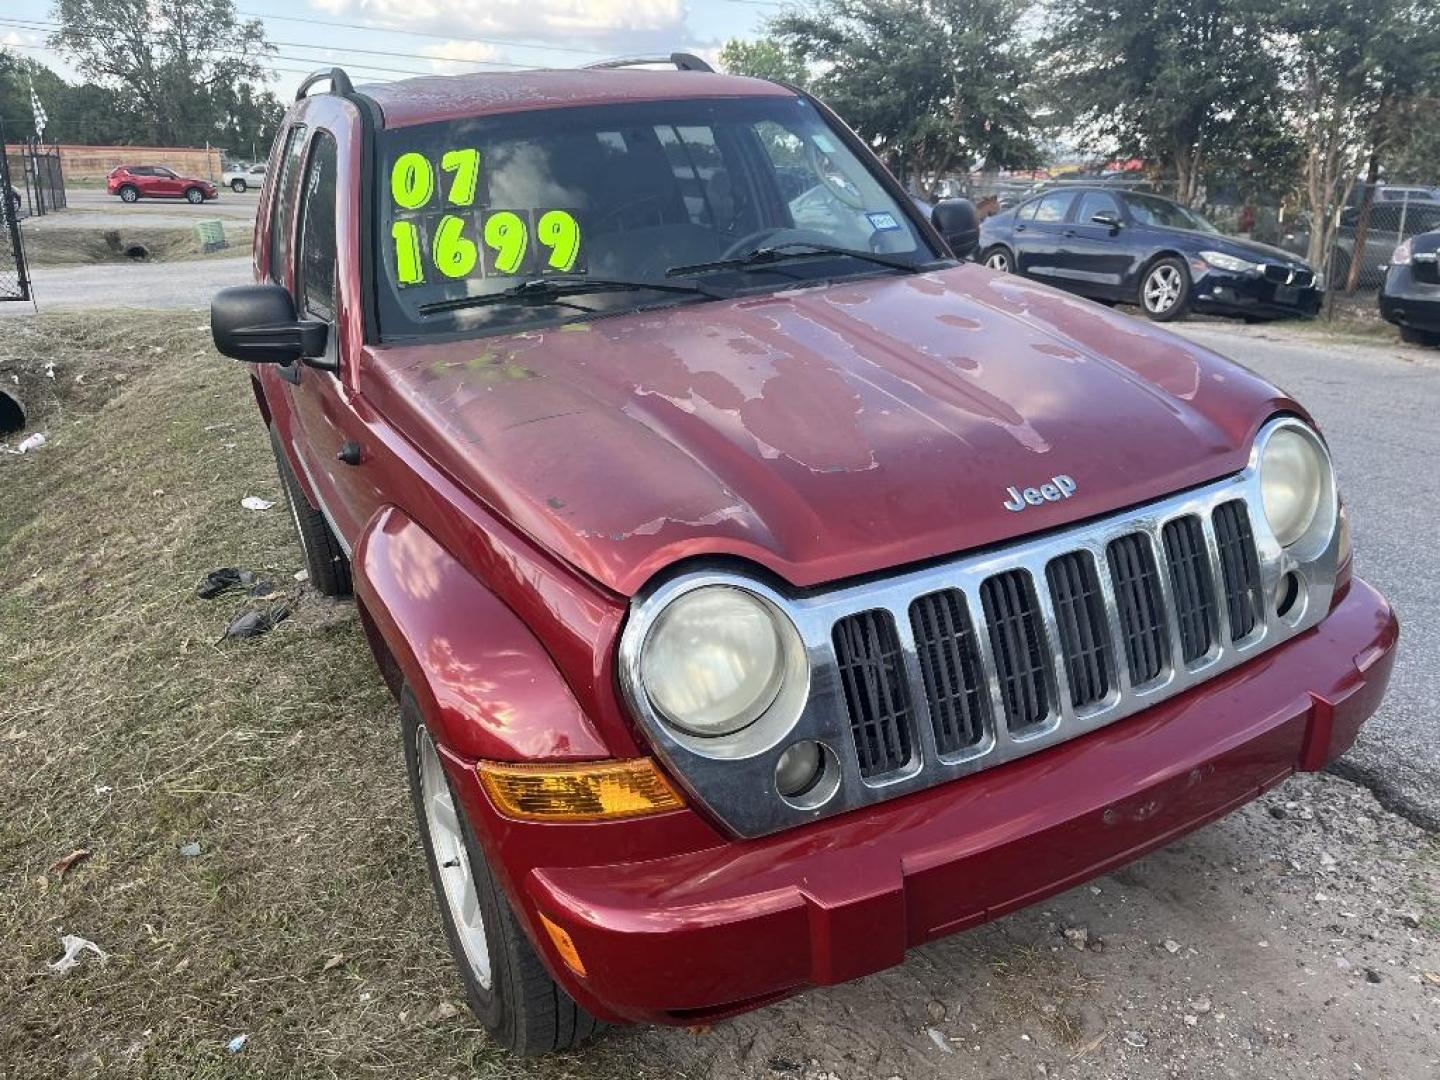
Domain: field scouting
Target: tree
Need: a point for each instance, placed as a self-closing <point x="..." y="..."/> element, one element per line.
<point x="1355" y="67"/>
<point x="764" y="58"/>
<point x="1182" y="83"/>
<point x="169" y="58"/>
<point x="933" y="85"/>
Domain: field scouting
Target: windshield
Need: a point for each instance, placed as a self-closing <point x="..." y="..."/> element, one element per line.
<point x="619" y="192"/>
<point x="1151" y="210"/>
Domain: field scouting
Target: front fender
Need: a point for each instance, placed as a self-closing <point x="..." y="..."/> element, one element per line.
<point x="485" y="684"/>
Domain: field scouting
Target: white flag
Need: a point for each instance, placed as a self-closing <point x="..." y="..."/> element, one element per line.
<point x="39" y="110"/>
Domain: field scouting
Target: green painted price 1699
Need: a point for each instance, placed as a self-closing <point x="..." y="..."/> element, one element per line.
<point x="449" y="239"/>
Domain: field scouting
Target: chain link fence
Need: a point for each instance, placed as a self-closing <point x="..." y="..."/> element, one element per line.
<point x="37" y="178"/>
<point x="14" y="276"/>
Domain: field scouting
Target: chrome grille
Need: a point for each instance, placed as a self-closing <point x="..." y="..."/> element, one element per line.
<point x="877" y="695"/>
<point x="950" y="665"/>
<point x="1017" y="643"/>
<point x="1240" y="568"/>
<point x="1083" y="625"/>
<point x="1143" y="630"/>
<point x="1191" y="585"/>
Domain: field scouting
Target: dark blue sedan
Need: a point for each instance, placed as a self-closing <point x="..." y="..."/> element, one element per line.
<point x="1135" y="248"/>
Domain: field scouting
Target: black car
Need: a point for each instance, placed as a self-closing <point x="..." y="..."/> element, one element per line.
<point x="1410" y="294"/>
<point x="1132" y="247"/>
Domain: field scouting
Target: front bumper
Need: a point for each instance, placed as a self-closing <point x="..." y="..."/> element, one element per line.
<point x="1405" y="301"/>
<point x="1222" y="292"/>
<point x="714" y="926"/>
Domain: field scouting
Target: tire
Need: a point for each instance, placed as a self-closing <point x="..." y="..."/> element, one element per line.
<point x="325" y="559"/>
<point x="998" y="258"/>
<point x="1164" y="293"/>
<point x="1412" y="336"/>
<point x="129" y="194"/>
<point x="237" y="186"/>
<point x="506" y="983"/>
<point x="194" y="196"/>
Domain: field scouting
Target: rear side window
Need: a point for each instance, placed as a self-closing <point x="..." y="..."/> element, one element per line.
<point x="316" y="275"/>
<point x="1054" y="206"/>
<point x="284" y="204"/>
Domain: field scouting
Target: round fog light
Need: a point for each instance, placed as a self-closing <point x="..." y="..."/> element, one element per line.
<point x="798" y="768"/>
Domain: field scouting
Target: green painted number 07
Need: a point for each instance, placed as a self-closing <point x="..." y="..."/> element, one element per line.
<point x="412" y="178"/>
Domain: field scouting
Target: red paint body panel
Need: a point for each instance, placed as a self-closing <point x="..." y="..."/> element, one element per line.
<point x="660" y="937"/>
<point x="490" y="690"/>
<point x="825" y="432"/>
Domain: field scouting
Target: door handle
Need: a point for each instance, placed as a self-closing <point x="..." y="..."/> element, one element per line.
<point x="1068" y="232"/>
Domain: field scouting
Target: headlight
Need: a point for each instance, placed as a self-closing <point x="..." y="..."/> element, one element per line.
<point x="1292" y="483"/>
<point x="1220" y="261"/>
<point x="1401" y="255"/>
<point x="714" y="660"/>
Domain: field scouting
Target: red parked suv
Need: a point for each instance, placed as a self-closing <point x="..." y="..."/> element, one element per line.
<point x="134" y="182"/>
<point x="765" y="591"/>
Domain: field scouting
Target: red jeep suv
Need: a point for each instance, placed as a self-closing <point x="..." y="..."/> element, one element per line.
<point x="765" y="592"/>
<point x="134" y="182"/>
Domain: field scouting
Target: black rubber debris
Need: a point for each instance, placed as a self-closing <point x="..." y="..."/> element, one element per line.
<point x="253" y="623"/>
<point x="223" y="580"/>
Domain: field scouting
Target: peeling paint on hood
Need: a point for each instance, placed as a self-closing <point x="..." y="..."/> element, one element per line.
<point x="821" y="432"/>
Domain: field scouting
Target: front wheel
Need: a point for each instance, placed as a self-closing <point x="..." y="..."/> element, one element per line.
<point x="237" y="186"/>
<point x="1165" y="290"/>
<point x="194" y="196"/>
<point x="999" y="258"/>
<point x="507" y="985"/>
<point x="129" y="194"/>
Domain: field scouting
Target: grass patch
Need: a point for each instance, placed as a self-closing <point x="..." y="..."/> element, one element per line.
<point x="127" y="730"/>
<point x="70" y="245"/>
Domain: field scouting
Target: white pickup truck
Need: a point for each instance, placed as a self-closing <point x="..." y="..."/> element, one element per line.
<point x="243" y="177"/>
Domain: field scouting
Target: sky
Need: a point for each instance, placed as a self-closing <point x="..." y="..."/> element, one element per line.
<point x="382" y="40"/>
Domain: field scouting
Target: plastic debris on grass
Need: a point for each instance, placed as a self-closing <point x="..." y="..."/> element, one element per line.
<point x="223" y="580"/>
<point x="237" y="1044"/>
<point x="255" y="622"/>
<point x="74" y="946"/>
<point x="190" y="850"/>
<point x="25" y="445"/>
<point x="254" y="502"/>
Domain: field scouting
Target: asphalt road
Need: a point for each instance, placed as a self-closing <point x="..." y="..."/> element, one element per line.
<point x="137" y="285"/>
<point x="96" y="207"/>
<point x="1379" y="407"/>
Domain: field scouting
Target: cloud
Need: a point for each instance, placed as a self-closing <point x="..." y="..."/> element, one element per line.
<point x="622" y="25"/>
<point x="453" y="57"/>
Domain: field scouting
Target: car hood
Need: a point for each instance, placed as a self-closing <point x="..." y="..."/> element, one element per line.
<point x="821" y="432"/>
<point x="1238" y="246"/>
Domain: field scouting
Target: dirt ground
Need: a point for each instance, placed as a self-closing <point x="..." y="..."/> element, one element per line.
<point x="250" y="866"/>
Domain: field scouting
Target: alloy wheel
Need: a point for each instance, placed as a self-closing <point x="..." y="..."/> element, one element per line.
<point x="447" y="840"/>
<point x="1163" y="287"/>
<point x="998" y="260"/>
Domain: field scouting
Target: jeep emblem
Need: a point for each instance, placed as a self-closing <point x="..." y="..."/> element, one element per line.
<point x="1059" y="487"/>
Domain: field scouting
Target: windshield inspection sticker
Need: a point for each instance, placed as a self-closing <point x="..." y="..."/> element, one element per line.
<point x="882" y="221"/>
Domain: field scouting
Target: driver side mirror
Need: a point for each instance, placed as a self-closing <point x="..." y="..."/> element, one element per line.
<point x="956" y="221"/>
<point x="257" y="324"/>
<point x="1107" y="218"/>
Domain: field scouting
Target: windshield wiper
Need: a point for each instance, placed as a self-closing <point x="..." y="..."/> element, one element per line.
<point x="763" y="257"/>
<point x="543" y="292"/>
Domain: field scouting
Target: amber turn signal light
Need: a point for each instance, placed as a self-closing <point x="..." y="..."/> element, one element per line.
<point x="587" y="791"/>
<point x="564" y="945"/>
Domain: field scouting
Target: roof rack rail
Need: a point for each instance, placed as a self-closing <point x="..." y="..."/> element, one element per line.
<point x="683" y="61"/>
<point x="338" y="80"/>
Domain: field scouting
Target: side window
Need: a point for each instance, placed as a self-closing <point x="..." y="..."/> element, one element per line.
<point x="283" y="204"/>
<point x="1027" y="210"/>
<point x="315" y="276"/>
<point x="1095" y="202"/>
<point x="1054" y="206"/>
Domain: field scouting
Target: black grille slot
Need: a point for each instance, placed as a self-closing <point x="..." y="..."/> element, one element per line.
<point x="1191" y="586"/>
<point x="1240" y="567"/>
<point x="1084" y="631"/>
<point x="877" y="695"/>
<point x="1018" y="643"/>
<point x="950" y="663"/>
<point x="1138" y="603"/>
